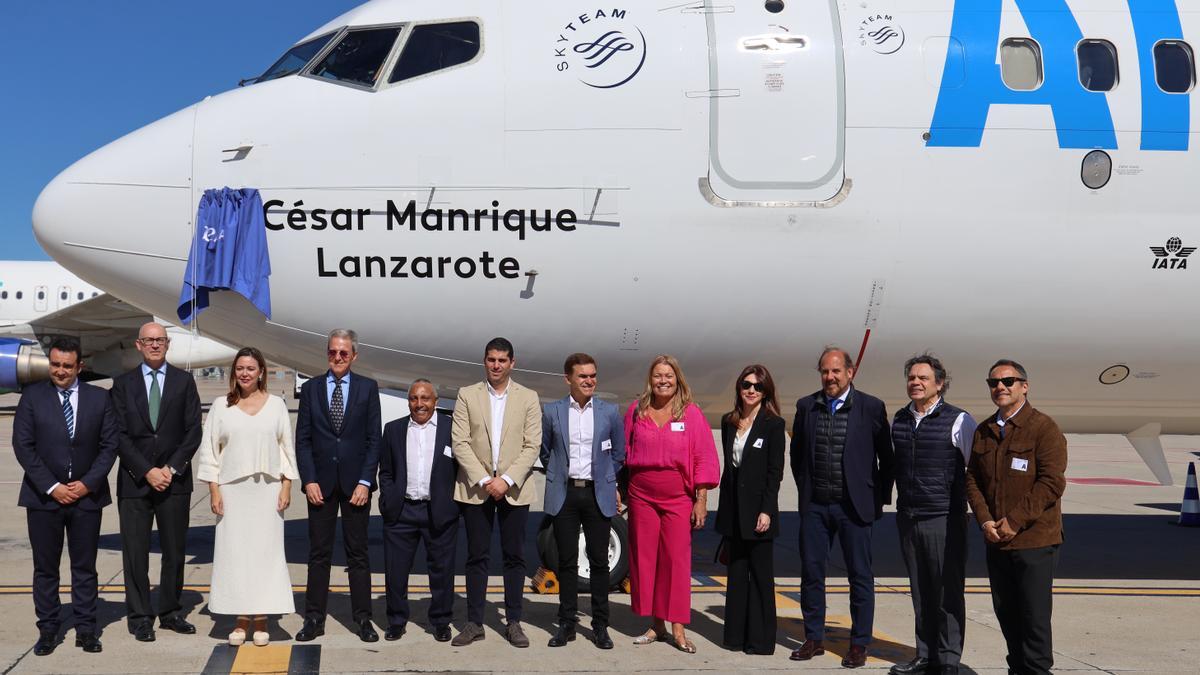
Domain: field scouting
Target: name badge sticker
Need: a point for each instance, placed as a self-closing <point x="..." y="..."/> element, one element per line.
<point x="1020" y="464"/>
<point x="448" y="452"/>
<point x="606" y="445"/>
<point x="676" y="426"/>
<point x="758" y="443"/>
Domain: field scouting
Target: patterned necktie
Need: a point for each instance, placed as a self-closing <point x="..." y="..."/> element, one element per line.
<point x="155" y="399"/>
<point x="833" y="406"/>
<point x="68" y="412"/>
<point x="337" y="407"/>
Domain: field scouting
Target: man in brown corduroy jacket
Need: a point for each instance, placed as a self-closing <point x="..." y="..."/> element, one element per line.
<point x="1015" y="481"/>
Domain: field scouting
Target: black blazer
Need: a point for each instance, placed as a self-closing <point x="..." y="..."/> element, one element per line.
<point x="340" y="460"/>
<point x="45" y="451"/>
<point x="141" y="447"/>
<point x="866" y="459"/>
<point x="393" y="472"/>
<point x="758" y="478"/>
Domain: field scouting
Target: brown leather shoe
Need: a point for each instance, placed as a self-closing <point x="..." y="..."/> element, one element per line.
<point x="855" y="658"/>
<point x="809" y="649"/>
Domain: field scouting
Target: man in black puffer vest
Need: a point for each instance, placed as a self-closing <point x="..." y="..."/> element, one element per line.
<point x="842" y="462"/>
<point x="932" y="440"/>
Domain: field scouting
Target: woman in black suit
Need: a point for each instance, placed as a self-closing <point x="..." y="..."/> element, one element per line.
<point x="752" y="436"/>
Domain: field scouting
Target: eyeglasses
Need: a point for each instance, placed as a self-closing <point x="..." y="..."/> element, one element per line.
<point x="1007" y="381"/>
<point x="338" y="354"/>
<point x="154" y="341"/>
<point x="758" y="386"/>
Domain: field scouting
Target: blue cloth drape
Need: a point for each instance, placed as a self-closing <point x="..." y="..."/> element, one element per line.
<point x="229" y="252"/>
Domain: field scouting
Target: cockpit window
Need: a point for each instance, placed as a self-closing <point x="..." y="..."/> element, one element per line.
<point x="436" y="46"/>
<point x="295" y="59"/>
<point x="358" y="58"/>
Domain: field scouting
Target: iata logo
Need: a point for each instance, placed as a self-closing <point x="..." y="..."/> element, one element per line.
<point x="881" y="33"/>
<point x="601" y="48"/>
<point x="1173" y="256"/>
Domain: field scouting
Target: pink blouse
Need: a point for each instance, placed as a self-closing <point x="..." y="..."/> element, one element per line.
<point x="686" y="445"/>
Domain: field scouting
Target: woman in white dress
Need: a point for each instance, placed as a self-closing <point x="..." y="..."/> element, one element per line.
<point x="249" y="462"/>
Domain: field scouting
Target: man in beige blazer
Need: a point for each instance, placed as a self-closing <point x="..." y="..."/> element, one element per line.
<point x="497" y="435"/>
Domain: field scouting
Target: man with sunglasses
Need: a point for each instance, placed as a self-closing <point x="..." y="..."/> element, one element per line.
<point x="158" y="413"/>
<point x="337" y="447"/>
<point x="932" y="440"/>
<point x="583" y="449"/>
<point x="1015" y="481"/>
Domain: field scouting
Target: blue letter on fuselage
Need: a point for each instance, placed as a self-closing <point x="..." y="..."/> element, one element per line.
<point x="1081" y="117"/>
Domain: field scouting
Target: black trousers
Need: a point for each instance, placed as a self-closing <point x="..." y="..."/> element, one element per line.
<point x="137" y="515"/>
<point x="750" y="594"/>
<point x="400" y="540"/>
<point x="46" y="529"/>
<point x="581" y="510"/>
<point x="935" y="553"/>
<point x="818" y="526"/>
<point x="479" y="520"/>
<point x="1022" y="596"/>
<point x="322" y="523"/>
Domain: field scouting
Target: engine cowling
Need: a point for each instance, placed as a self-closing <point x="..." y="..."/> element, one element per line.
<point x="21" y="362"/>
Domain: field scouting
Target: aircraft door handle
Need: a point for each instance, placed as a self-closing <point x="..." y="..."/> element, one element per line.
<point x="239" y="153"/>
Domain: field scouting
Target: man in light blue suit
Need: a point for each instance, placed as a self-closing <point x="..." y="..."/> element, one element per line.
<point x="583" y="448"/>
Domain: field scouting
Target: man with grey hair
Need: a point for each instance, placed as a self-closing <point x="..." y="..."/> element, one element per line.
<point x="932" y="441"/>
<point x="417" y="474"/>
<point x="337" y="449"/>
<point x="842" y="462"/>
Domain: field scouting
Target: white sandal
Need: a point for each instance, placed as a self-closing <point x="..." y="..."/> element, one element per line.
<point x="237" y="637"/>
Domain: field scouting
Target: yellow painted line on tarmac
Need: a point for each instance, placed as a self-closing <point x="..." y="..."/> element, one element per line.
<point x="268" y="659"/>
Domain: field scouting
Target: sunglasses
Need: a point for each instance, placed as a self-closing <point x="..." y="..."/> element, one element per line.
<point x="338" y="354"/>
<point x="1006" y="381"/>
<point x="758" y="386"/>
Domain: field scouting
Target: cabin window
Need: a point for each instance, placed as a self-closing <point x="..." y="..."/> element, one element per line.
<point x="79" y="295"/>
<point x="41" y="295"/>
<point x="436" y="46"/>
<point x="1097" y="65"/>
<point x="1174" y="66"/>
<point x="62" y="295"/>
<point x="295" y="59"/>
<point x="358" y="58"/>
<point x="94" y="294"/>
<point x="3" y="295"/>
<point x="1021" y="64"/>
<point x="20" y="295"/>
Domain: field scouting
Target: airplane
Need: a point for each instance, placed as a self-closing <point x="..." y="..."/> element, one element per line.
<point x="39" y="300"/>
<point x="730" y="181"/>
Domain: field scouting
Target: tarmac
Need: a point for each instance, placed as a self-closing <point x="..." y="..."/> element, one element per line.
<point x="1127" y="595"/>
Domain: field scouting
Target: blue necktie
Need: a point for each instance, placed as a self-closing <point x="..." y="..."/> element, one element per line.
<point x="68" y="412"/>
<point x="833" y="404"/>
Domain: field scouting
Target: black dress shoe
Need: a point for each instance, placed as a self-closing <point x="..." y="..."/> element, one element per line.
<point x="564" y="634"/>
<point x="310" y="631"/>
<point x="601" y="638"/>
<point x="917" y="666"/>
<point x="45" y="644"/>
<point x="178" y="625"/>
<point x="89" y="642"/>
<point x="441" y="633"/>
<point x="143" y="631"/>
<point x="393" y="633"/>
<point x="366" y="632"/>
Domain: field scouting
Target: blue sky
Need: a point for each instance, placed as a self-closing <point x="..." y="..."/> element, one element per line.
<point x="84" y="72"/>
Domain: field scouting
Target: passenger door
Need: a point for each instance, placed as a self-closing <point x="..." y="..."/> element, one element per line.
<point x="777" y="108"/>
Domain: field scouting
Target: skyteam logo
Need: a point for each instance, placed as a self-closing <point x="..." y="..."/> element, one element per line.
<point x="881" y="33"/>
<point x="601" y="48"/>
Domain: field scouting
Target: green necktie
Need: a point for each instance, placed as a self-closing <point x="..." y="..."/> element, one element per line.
<point x="155" y="399"/>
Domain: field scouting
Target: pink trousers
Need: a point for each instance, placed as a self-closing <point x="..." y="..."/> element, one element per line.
<point x="660" y="542"/>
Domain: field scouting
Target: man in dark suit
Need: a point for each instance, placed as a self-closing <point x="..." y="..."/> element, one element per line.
<point x="416" y="498"/>
<point x="337" y="448"/>
<point x="583" y="449"/>
<point x="842" y="462"/>
<point x="65" y="438"/>
<point x="158" y="413"/>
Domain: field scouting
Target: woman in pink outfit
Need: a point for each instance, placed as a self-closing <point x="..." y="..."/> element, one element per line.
<point x="672" y="463"/>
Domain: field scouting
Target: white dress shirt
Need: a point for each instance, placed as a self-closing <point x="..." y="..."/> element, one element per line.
<point x="739" y="445"/>
<point x="962" y="434"/>
<point x="579" y="434"/>
<point x="499" y="401"/>
<point x="421" y="439"/>
<point x="1001" y="421"/>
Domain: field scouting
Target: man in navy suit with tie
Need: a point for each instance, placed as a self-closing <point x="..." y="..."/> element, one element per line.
<point x="583" y="448"/>
<point x="842" y="462"/>
<point x="65" y="438"/>
<point x="416" y="497"/>
<point x="337" y="447"/>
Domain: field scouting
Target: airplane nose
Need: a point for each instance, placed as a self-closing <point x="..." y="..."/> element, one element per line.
<point x="125" y="209"/>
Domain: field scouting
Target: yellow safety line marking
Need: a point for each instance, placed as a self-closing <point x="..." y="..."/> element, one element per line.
<point x="268" y="659"/>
